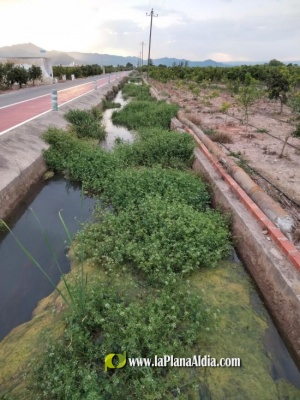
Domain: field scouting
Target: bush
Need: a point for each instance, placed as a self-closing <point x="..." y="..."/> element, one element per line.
<point x="122" y="317"/>
<point x="79" y="160"/>
<point x="128" y="187"/>
<point x="86" y="123"/>
<point x="143" y="114"/>
<point x="159" y="238"/>
<point x="139" y="92"/>
<point x="158" y="146"/>
<point x="107" y="104"/>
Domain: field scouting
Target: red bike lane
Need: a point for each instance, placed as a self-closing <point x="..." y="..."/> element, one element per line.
<point x="16" y="114"/>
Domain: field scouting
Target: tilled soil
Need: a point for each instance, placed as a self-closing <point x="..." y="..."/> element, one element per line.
<point x="256" y="147"/>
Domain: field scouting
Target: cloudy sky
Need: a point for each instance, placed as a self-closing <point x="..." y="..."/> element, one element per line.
<point x="224" y="30"/>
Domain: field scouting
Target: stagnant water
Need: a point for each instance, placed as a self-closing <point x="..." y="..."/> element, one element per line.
<point x="22" y="285"/>
<point x="113" y="131"/>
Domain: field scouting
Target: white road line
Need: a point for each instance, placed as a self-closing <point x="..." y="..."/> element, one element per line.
<point x="48" y="94"/>
<point x="24" y="122"/>
<point x="45" y="112"/>
<point x="24" y="101"/>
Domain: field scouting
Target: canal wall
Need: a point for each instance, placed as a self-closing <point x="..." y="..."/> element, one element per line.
<point x="277" y="278"/>
<point x="21" y="160"/>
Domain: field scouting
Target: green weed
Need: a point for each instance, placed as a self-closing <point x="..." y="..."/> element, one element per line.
<point x="86" y="123"/>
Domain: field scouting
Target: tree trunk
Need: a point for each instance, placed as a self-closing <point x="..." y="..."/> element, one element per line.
<point x="284" y="144"/>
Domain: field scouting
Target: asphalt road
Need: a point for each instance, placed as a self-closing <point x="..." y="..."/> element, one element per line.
<point x="17" y="96"/>
<point x="21" y="106"/>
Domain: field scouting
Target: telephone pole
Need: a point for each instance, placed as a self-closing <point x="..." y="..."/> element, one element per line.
<point x="150" y="15"/>
<point x="142" y="52"/>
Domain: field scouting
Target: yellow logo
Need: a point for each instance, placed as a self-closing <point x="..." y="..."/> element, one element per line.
<point x="109" y="364"/>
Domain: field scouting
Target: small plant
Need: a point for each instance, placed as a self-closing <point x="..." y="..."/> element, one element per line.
<point x="2" y="225"/>
<point x="262" y="130"/>
<point x="221" y="137"/>
<point x="225" y="106"/>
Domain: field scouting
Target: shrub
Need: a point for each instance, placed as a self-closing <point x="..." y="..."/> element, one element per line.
<point x="106" y="104"/>
<point x="80" y="160"/>
<point x="128" y="187"/>
<point x="143" y="114"/>
<point x="86" y="123"/>
<point x="159" y="238"/>
<point x="139" y="92"/>
<point x="158" y="146"/>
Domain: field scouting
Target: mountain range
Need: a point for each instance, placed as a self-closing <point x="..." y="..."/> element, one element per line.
<point x="77" y="58"/>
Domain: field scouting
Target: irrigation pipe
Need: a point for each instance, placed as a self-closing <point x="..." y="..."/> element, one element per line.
<point x="270" y="207"/>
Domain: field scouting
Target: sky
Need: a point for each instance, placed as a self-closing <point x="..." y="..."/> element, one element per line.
<point x="222" y="30"/>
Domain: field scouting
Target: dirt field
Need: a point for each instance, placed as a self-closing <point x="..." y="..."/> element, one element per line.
<point x="256" y="147"/>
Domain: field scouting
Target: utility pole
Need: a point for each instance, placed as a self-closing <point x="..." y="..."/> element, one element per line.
<point x="150" y="15"/>
<point x="142" y="52"/>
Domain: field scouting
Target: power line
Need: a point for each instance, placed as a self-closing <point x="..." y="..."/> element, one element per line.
<point x="151" y="15"/>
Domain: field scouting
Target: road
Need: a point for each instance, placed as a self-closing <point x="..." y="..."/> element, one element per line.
<point x="21" y="106"/>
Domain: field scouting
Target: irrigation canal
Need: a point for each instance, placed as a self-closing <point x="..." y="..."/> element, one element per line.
<point x="22" y="285"/>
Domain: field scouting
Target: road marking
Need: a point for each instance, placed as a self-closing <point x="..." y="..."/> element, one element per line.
<point x="48" y="94"/>
<point x="45" y="112"/>
<point x="24" y="101"/>
<point x="24" y="122"/>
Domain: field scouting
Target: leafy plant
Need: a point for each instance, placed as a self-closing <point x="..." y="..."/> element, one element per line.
<point x="86" y="123"/>
<point x="138" y="92"/>
<point x="142" y="114"/>
<point x="122" y="316"/>
<point x="158" y="146"/>
<point x="128" y="187"/>
<point x="162" y="239"/>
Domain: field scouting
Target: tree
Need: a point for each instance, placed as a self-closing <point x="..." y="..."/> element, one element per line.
<point x="8" y="74"/>
<point x="20" y="75"/>
<point x="278" y="85"/>
<point x="248" y="94"/>
<point x="275" y="63"/>
<point x="35" y="72"/>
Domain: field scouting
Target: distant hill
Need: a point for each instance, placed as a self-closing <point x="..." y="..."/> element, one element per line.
<point x="68" y="58"/>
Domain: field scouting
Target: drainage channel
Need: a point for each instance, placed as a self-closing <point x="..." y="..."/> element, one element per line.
<point x="22" y="285"/>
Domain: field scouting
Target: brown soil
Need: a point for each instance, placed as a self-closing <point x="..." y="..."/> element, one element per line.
<point x="256" y="148"/>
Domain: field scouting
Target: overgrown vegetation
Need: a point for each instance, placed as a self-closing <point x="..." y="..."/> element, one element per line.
<point x="156" y="230"/>
<point x="86" y="123"/>
<point x="144" y="114"/>
<point x="119" y="319"/>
